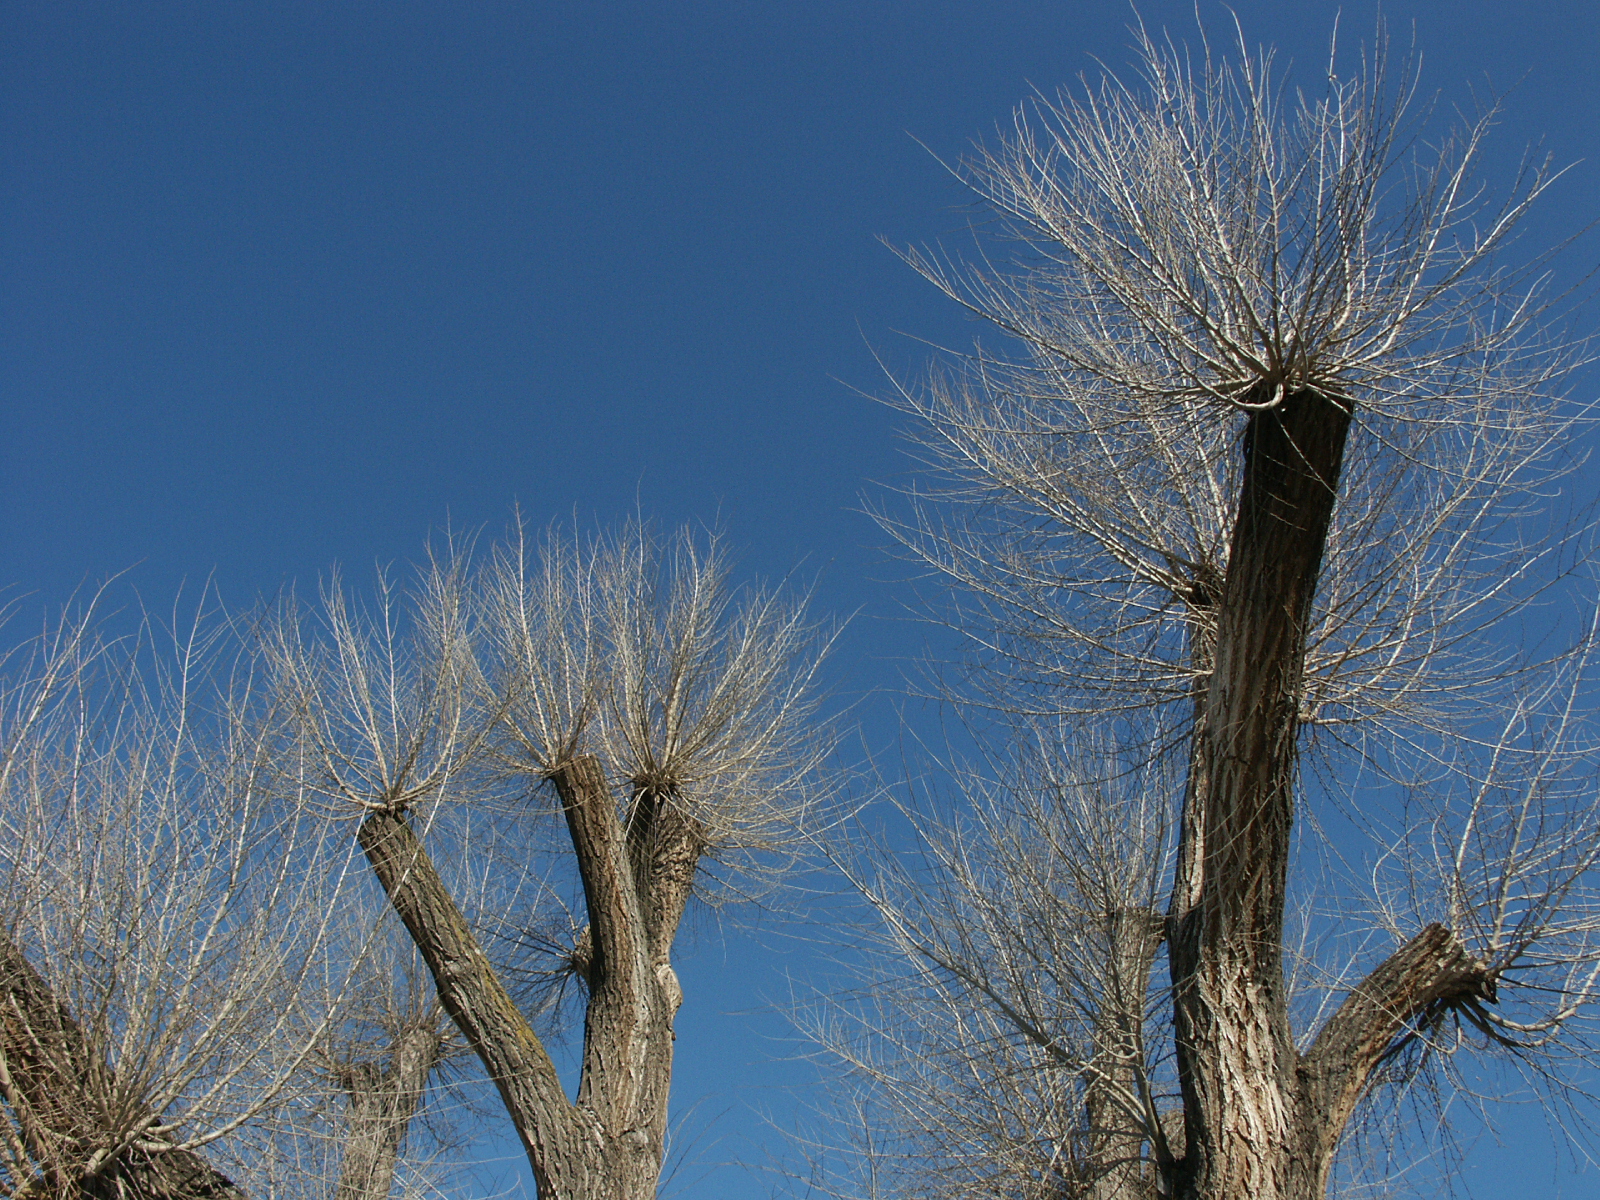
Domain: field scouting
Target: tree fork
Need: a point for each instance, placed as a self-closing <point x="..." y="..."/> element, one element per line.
<point x="563" y="1145"/>
<point x="627" y="1061"/>
<point x="609" y="1143"/>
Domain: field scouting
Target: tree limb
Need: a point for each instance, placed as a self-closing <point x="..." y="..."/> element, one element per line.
<point x="615" y="912"/>
<point x="61" y="1090"/>
<point x="556" y="1136"/>
<point x="1432" y="969"/>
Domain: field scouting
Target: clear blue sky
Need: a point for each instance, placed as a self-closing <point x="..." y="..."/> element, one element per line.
<point x="284" y="284"/>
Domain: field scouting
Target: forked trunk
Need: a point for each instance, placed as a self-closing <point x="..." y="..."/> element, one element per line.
<point x="627" y="1035"/>
<point x="608" y="1142"/>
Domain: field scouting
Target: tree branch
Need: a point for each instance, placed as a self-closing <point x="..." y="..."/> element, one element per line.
<point x="61" y="1090"/>
<point x="1117" y="1137"/>
<point x="615" y="914"/>
<point x="1432" y="969"/>
<point x="556" y="1135"/>
<point x="664" y="846"/>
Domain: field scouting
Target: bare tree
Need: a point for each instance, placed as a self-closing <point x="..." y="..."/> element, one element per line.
<point x="1254" y="527"/>
<point x="193" y="1002"/>
<point x="395" y="1110"/>
<point x="670" y="716"/>
<point x="163" y="952"/>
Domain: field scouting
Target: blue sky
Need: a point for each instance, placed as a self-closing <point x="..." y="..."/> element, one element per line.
<point x="288" y="284"/>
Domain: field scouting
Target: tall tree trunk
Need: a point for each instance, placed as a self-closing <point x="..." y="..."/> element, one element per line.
<point x="1261" y="1120"/>
<point x="1236" y="1058"/>
<point x="83" y="1136"/>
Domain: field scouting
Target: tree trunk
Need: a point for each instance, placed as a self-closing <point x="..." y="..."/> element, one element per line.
<point x="1119" y="1103"/>
<point x="1236" y="1058"/>
<point x="627" y="1037"/>
<point x="1261" y="1120"/>
<point x="84" y="1138"/>
<point x="382" y="1100"/>
<point x="608" y="1144"/>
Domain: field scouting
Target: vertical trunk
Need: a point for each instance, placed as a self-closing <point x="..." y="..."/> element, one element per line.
<point x="1236" y="1059"/>
<point x="664" y="846"/>
<point x="627" y="1039"/>
<point x="1260" y="1120"/>
<point x="637" y="881"/>
<point x="382" y="1100"/>
<point x="78" y="1129"/>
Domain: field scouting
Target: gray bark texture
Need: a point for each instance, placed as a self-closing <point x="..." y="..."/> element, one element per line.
<point x="1260" y="1120"/>
<point x="608" y="1142"/>
<point x="84" y="1136"/>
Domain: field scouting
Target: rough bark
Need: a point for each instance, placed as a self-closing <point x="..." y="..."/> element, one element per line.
<point x="664" y="847"/>
<point x="85" y="1136"/>
<point x="627" y="1051"/>
<point x="608" y="1144"/>
<point x="1236" y="1058"/>
<point x="381" y="1102"/>
<point x="1259" y="1119"/>
<point x="1432" y="971"/>
<point x="563" y="1144"/>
